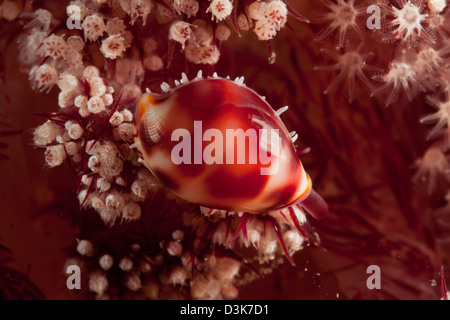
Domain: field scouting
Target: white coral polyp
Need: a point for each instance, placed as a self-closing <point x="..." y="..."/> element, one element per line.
<point x="131" y="211"/>
<point x="150" y="45"/>
<point x="125" y="264"/>
<point x="92" y="147"/>
<point x="400" y="73"/>
<point x="115" y="26"/>
<point x="429" y="60"/>
<point x="209" y="54"/>
<point x="54" y="46"/>
<point x="98" y="282"/>
<point x="265" y="29"/>
<point x="203" y="34"/>
<point x="139" y="189"/>
<point x="41" y="20"/>
<point x="81" y="101"/>
<point x="95" y="105"/>
<point x="67" y="82"/>
<point x="123" y="132"/>
<point x="106" y="261"/>
<point x="75" y="131"/>
<point x="109" y="215"/>
<point x="73" y="59"/>
<point x="437" y="6"/>
<point x="136" y="9"/>
<point x="293" y="241"/>
<point x="72" y="148"/>
<point x="108" y="99"/>
<point x="222" y="32"/>
<point x="178" y="275"/>
<point x="257" y="10"/>
<point x="85" y="248"/>
<point x="133" y="282"/>
<point x="84" y="112"/>
<point x="103" y="185"/>
<point x="434" y="165"/>
<point x="174" y="248"/>
<point x="224" y="269"/>
<point x="220" y="9"/>
<point x="90" y="71"/>
<point x="127" y="115"/>
<point x="10" y="10"/>
<point x="116" y="119"/>
<point x="93" y="27"/>
<point x="115" y="201"/>
<point x="46" y="133"/>
<point x="277" y="12"/>
<point x="163" y="15"/>
<point x="188" y="7"/>
<point x="113" y="47"/>
<point x="55" y="155"/>
<point x="75" y="42"/>
<point x="180" y="31"/>
<point x="97" y="202"/>
<point x="98" y="88"/>
<point x="244" y="23"/>
<point x="77" y="8"/>
<point x="192" y="53"/>
<point x="30" y="47"/>
<point x="43" y="77"/>
<point x="153" y="63"/>
<point x="205" y="288"/>
<point x="408" y="24"/>
<point x="140" y="8"/>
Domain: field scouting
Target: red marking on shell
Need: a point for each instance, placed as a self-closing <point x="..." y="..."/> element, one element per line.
<point x="252" y="183"/>
<point x="222" y="105"/>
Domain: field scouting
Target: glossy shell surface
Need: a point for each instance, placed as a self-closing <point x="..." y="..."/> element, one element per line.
<point x="220" y="104"/>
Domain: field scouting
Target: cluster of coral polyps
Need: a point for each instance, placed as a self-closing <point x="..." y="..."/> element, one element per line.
<point x="99" y="58"/>
<point x="412" y="36"/>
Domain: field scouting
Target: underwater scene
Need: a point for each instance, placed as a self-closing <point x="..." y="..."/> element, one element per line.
<point x="225" y="149"/>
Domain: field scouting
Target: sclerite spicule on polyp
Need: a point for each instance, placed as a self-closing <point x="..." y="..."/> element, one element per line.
<point x="197" y="149"/>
